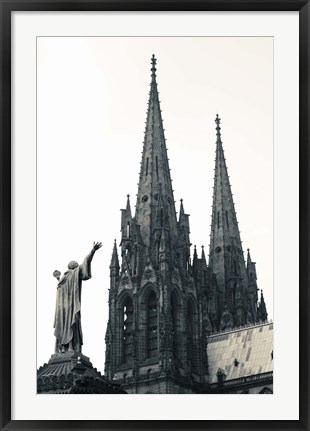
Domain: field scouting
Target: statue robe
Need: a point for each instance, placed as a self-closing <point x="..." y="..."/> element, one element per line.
<point x="67" y="322"/>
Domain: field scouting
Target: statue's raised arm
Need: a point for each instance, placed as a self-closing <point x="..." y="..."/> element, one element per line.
<point x="96" y="246"/>
<point x="68" y="330"/>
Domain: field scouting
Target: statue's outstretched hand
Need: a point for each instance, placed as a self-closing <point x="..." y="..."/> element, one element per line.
<point x="97" y="245"/>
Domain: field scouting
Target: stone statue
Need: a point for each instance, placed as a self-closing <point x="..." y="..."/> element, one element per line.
<point x="67" y="324"/>
<point x="226" y="320"/>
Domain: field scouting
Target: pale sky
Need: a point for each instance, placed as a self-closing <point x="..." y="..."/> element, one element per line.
<point x="92" y="98"/>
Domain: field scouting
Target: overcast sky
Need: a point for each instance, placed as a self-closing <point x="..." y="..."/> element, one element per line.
<point x="92" y="98"/>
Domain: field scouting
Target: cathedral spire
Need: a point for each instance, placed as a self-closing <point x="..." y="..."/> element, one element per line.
<point x="226" y="255"/>
<point x="155" y="180"/>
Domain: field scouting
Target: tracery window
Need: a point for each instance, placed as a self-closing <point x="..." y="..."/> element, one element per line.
<point x="128" y="330"/>
<point x="176" y="324"/>
<point x="192" y="319"/>
<point x="152" y="326"/>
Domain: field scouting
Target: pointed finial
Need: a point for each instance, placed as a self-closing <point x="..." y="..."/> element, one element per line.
<point x="114" y="258"/>
<point x="181" y="207"/>
<point x="249" y="260"/>
<point x="153" y="69"/>
<point x="128" y="209"/>
<point x="218" y="129"/>
<point x="262" y="299"/>
<point x="203" y="252"/>
<point x="181" y="214"/>
<point x="195" y="257"/>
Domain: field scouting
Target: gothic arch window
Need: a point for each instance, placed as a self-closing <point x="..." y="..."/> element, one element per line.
<point x="127" y="330"/>
<point x="176" y="311"/>
<point x="135" y="260"/>
<point x="193" y="336"/>
<point x="128" y="251"/>
<point x="152" y="326"/>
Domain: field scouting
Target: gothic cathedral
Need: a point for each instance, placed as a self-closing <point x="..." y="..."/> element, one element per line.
<point x="163" y="303"/>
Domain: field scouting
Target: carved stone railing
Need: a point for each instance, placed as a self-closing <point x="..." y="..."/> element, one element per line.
<point x="240" y="328"/>
<point x="242" y="380"/>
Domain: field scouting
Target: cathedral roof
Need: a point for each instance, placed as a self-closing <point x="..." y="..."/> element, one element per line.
<point x="241" y="352"/>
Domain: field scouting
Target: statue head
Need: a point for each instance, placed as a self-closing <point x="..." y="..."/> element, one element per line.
<point x="72" y="264"/>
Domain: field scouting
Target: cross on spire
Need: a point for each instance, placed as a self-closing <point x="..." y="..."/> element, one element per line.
<point x="218" y="128"/>
<point x="153" y="68"/>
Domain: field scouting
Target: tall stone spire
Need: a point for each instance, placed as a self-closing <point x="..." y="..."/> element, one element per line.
<point x="155" y="206"/>
<point x="159" y="299"/>
<point x="226" y="258"/>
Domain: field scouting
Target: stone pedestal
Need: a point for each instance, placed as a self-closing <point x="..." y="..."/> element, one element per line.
<point x="72" y="373"/>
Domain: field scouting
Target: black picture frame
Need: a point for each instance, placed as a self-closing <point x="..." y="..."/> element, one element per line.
<point x="9" y="6"/>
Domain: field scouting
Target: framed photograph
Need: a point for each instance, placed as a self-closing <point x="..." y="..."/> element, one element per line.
<point x="192" y="119"/>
